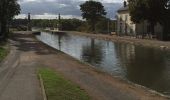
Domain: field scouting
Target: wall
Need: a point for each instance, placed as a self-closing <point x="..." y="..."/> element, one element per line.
<point x="126" y="27"/>
<point x="124" y="24"/>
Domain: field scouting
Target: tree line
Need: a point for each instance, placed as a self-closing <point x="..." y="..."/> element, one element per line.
<point x="92" y="11"/>
<point x="101" y="26"/>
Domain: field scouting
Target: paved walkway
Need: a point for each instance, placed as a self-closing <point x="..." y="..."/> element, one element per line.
<point x="18" y="79"/>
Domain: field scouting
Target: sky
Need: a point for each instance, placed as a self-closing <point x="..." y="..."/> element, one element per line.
<point x="49" y="9"/>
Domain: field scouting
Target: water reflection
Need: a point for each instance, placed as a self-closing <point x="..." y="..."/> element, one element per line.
<point x="92" y="53"/>
<point x="145" y="66"/>
<point x="60" y="36"/>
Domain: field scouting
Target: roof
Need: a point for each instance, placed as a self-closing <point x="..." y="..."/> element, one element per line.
<point x="123" y="9"/>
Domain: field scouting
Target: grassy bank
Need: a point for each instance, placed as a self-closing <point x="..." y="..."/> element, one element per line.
<point x="57" y="88"/>
<point x="3" y="53"/>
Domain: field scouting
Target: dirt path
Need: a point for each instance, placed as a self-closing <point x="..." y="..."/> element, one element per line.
<point x="18" y="78"/>
<point x="22" y="83"/>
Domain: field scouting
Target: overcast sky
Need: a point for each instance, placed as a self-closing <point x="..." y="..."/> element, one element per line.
<point x="50" y="9"/>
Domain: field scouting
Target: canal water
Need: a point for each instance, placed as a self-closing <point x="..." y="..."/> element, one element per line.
<point x="148" y="67"/>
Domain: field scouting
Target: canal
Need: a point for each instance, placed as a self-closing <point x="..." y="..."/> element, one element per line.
<point x="145" y="66"/>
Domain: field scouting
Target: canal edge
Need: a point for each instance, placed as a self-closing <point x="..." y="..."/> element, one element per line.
<point x="151" y="91"/>
<point x="42" y="87"/>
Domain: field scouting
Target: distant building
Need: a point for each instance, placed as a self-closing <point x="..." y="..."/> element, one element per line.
<point x="126" y="27"/>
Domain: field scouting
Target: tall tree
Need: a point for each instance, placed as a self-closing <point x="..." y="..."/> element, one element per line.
<point x="141" y="10"/>
<point x="8" y="9"/>
<point x="154" y="11"/>
<point x="92" y="11"/>
<point x="137" y="10"/>
<point x="165" y="18"/>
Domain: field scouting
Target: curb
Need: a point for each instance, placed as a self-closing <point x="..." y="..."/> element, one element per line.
<point x="42" y="88"/>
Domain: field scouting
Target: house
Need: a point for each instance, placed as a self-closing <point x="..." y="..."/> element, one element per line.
<point x="126" y="27"/>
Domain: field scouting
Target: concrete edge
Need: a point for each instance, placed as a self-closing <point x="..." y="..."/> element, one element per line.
<point x="42" y="87"/>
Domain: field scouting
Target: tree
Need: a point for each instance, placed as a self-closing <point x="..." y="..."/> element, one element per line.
<point x="92" y="11"/>
<point x="105" y="25"/>
<point x="141" y="10"/>
<point x="154" y="11"/>
<point x="165" y="19"/>
<point x="137" y="10"/>
<point x="8" y="9"/>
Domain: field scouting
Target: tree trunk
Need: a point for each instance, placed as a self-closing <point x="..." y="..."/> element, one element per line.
<point x="3" y="20"/>
<point x="152" y="28"/>
<point x="92" y="48"/>
<point x="0" y="29"/>
<point x="93" y="27"/>
<point x="4" y="30"/>
<point x="166" y="31"/>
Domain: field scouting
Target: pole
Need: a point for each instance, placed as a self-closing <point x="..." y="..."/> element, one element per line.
<point x="29" y="22"/>
<point x="108" y="26"/>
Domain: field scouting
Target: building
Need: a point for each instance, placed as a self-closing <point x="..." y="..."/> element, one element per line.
<point x="126" y="27"/>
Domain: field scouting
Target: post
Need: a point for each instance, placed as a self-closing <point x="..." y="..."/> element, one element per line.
<point x="29" y="23"/>
<point x="59" y="22"/>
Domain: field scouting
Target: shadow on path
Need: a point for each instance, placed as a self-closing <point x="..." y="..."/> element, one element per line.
<point x="28" y="43"/>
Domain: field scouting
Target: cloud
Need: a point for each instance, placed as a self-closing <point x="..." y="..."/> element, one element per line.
<point x="65" y="7"/>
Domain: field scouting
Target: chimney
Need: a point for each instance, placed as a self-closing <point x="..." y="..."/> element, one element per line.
<point x="125" y="3"/>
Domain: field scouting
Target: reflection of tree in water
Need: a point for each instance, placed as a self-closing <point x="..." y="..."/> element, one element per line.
<point x="92" y="53"/>
<point x="60" y="36"/>
<point x="143" y="65"/>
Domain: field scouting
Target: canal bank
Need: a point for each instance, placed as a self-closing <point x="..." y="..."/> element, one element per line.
<point x="141" y="65"/>
<point x="99" y="85"/>
<point x="163" y="45"/>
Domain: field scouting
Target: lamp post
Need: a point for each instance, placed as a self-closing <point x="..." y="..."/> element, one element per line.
<point x="59" y="22"/>
<point x="29" y="22"/>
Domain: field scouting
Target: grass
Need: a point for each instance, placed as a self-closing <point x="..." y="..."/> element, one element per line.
<point x="58" y="88"/>
<point x="3" y="53"/>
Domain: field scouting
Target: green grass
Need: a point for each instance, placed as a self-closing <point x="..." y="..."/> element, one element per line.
<point x="58" y="88"/>
<point x="3" y="53"/>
